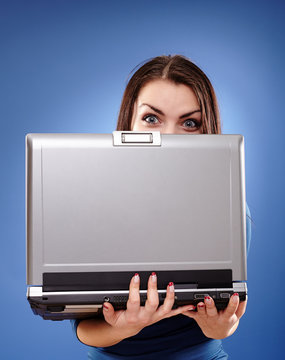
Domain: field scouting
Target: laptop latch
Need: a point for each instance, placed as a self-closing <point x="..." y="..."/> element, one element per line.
<point x="135" y="138"/>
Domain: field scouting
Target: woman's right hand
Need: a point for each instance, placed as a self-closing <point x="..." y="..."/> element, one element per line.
<point x="132" y="320"/>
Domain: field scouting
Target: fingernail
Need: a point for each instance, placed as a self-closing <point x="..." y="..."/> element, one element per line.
<point x="235" y="297"/>
<point x="192" y="308"/>
<point x="207" y="300"/>
<point x="105" y="307"/>
<point x="153" y="277"/>
<point x="136" y="278"/>
<point x="201" y="306"/>
<point x="171" y="286"/>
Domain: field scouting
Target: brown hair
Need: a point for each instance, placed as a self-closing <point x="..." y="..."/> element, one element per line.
<point x="180" y="70"/>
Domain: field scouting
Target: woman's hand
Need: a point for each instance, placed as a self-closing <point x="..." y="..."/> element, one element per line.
<point x="218" y="325"/>
<point x="132" y="320"/>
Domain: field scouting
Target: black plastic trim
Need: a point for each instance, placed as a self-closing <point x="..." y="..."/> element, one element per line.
<point x="88" y="281"/>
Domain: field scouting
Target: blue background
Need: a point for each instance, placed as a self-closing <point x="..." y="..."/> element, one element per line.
<point x="64" y="66"/>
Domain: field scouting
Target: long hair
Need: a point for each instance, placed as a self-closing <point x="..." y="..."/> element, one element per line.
<point x="180" y="70"/>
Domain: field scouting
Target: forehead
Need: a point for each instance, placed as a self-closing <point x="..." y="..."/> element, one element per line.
<point x="167" y="94"/>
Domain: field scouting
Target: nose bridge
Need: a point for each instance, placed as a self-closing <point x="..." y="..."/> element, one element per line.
<point x="169" y="127"/>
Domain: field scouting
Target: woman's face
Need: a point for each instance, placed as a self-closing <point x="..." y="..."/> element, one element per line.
<point x="167" y="107"/>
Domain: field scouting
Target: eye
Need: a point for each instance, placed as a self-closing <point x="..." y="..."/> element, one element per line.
<point x="151" y="119"/>
<point x="190" y="123"/>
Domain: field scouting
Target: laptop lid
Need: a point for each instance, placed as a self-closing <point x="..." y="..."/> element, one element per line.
<point x="133" y="202"/>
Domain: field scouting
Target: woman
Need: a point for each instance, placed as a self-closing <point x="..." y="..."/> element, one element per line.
<point x="172" y="95"/>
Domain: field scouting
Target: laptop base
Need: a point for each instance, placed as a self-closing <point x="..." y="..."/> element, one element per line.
<point x="61" y="305"/>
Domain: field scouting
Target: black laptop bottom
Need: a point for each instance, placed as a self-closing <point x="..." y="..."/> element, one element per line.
<point x="81" y="295"/>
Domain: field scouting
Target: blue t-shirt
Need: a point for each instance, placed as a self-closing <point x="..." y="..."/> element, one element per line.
<point x="175" y="338"/>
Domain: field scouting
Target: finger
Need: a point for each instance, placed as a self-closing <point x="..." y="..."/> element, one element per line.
<point x="152" y="301"/>
<point x="201" y="309"/>
<point x="211" y="309"/>
<point x="183" y="310"/>
<point x="109" y="313"/>
<point x="232" y="306"/>
<point x="133" y="303"/>
<point x="241" y="309"/>
<point x="167" y="305"/>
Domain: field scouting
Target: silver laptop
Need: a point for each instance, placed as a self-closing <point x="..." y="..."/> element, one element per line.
<point x="101" y="207"/>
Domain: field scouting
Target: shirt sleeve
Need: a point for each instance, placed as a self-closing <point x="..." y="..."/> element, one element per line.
<point x="248" y="228"/>
<point x="74" y="324"/>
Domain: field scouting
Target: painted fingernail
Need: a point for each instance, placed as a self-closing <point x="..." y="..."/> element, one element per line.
<point x="153" y="277"/>
<point x="201" y="306"/>
<point x="136" y="278"/>
<point x="191" y="308"/>
<point x="105" y="307"/>
<point x="171" y="286"/>
<point x="235" y="297"/>
<point x="207" y="300"/>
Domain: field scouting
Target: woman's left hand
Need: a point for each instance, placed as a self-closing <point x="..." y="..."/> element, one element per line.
<point x="218" y="325"/>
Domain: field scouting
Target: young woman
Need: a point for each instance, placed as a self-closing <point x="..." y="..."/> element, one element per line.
<point x="172" y="95"/>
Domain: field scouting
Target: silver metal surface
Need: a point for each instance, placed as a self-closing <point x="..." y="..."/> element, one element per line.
<point x="240" y="287"/>
<point x="34" y="291"/>
<point x="126" y="292"/>
<point x="92" y="206"/>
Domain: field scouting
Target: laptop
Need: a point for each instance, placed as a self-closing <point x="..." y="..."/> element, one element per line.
<point x="101" y="207"/>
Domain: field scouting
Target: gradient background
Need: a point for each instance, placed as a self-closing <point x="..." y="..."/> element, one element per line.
<point x="64" y="66"/>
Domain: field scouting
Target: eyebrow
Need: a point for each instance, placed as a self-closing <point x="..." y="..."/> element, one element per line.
<point x="161" y="113"/>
